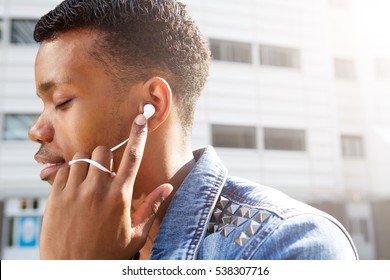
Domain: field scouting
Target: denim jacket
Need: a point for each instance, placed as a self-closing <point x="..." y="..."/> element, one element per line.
<point x="214" y="216"/>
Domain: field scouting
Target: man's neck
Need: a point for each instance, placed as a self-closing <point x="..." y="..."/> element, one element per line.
<point x="166" y="164"/>
<point x="170" y="163"/>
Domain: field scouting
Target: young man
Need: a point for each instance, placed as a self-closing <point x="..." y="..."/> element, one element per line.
<point x="99" y="63"/>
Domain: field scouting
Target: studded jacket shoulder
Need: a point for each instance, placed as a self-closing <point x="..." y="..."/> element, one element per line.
<point x="215" y="216"/>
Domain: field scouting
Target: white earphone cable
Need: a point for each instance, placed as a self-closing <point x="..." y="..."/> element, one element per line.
<point x="149" y="110"/>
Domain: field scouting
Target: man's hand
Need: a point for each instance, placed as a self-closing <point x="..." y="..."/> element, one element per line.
<point x="87" y="215"/>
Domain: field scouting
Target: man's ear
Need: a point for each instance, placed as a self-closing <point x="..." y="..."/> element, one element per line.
<point x="158" y="93"/>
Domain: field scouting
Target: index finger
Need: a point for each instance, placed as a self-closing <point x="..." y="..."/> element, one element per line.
<point x="133" y="153"/>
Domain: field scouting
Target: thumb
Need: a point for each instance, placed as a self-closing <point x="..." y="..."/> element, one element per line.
<point x="146" y="213"/>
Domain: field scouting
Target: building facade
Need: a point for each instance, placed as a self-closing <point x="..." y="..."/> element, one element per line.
<point x="298" y="99"/>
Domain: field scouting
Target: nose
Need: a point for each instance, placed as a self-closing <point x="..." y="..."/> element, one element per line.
<point x="42" y="131"/>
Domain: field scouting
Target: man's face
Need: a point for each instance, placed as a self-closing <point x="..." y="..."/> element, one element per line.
<point x="82" y="106"/>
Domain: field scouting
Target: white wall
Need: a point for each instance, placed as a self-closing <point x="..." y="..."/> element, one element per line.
<point x="309" y="98"/>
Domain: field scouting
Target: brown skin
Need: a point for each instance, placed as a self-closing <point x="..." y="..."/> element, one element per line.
<point x="85" y="114"/>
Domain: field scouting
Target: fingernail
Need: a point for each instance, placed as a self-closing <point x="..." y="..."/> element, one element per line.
<point x="111" y="164"/>
<point x="140" y="121"/>
<point x="166" y="193"/>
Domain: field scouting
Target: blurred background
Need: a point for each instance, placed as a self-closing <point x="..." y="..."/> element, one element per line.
<point x="298" y="99"/>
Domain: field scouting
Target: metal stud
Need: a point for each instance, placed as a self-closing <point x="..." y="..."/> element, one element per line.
<point x="210" y="227"/>
<point x="226" y="220"/>
<point x="242" y="239"/>
<point x="220" y="226"/>
<point x="217" y="213"/>
<point x="233" y="208"/>
<point x="251" y="213"/>
<point x="223" y="202"/>
<point x="238" y="221"/>
<point x="253" y="227"/>
<point x="242" y="211"/>
<point x="263" y="216"/>
<point x="226" y="231"/>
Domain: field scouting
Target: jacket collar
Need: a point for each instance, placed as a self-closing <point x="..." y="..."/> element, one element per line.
<point x="185" y="222"/>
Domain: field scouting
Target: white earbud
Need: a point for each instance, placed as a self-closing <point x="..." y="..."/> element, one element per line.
<point x="149" y="110"/>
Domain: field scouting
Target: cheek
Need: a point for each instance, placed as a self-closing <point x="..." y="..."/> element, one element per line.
<point x="74" y="136"/>
<point x="90" y="131"/>
<point x="82" y="128"/>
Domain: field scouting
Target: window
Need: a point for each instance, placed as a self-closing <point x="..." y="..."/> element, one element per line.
<point x="382" y="68"/>
<point x="22" y="31"/>
<point x="1" y="29"/>
<point x="231" y="51"/>
<point x="280" y="56"/>
<point x="284" y="139"/>
<point x="344" y="69"/>
<point x="359" y="227"/>
<point x="229" y="136"/>
<point x="16" y="126"/>
<point x="352" y="146"/>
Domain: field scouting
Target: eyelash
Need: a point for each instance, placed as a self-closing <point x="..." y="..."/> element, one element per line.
<point x="62" y="105"/>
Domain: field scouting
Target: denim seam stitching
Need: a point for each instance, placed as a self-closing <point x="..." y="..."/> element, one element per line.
<point x="203" y="221"/>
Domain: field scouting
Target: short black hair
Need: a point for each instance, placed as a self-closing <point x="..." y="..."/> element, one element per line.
<point x="140" y="39"/>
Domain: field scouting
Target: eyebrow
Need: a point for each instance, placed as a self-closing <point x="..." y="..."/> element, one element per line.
<point x="45" y="87"/>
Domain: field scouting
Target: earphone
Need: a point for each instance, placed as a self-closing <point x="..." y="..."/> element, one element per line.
<point x="149" y="111"/>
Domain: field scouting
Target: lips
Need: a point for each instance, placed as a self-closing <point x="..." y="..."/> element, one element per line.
<point x="51" y="166"/>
